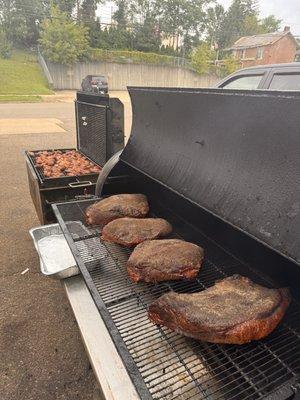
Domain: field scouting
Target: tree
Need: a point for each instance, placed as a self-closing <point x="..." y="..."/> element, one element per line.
<point x="146" y="36"/>
<point x="252" y="26"/>
<point x="5" y="45"/>
<point x="121" y="14"/>
<point x="19" y="18"/>
<point x="181" y="18"/>
<point x="113" y="38"/>
<point x="87" y="11"/>
<point x="140" y="10"/>
<point x="62" y="40"/>
<point x="66" y="6"/>
<point x="86" y="14"/>
<point x="183" y="22"/>
<point x="214" y="22"/>
<point x="233" y="25"/>
<point x="250" y="7"/>
<point x="241" y="19"/>
<point x="270" y="24"/>
<point x="119" y="35"/>
<point x="202" y="58"/>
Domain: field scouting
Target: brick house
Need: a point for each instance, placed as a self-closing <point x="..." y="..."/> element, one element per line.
<point x="269" y="48"/>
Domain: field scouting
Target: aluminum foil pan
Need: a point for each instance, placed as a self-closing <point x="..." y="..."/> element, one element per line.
<point x="56" y="259"/>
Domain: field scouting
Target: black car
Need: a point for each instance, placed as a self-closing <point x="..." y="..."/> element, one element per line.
<point x="272" y="77"/>
<point x="95" y="84"/>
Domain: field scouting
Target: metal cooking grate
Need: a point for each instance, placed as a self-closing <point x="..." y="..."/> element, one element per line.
<point x="165" y="364"/>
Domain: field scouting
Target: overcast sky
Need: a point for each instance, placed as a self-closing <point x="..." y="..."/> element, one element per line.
<point x="287" y="10"/>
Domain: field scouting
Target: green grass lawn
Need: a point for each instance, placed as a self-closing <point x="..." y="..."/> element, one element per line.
<point x="22" y="75"/>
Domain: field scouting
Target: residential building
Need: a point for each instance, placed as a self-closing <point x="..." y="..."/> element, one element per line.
<point x="269" y="48"/>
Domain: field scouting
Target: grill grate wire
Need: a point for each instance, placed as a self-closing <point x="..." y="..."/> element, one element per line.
<point x="172" y="366"/>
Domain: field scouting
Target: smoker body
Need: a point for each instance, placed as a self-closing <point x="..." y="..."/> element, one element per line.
<point x="222" y="167"/>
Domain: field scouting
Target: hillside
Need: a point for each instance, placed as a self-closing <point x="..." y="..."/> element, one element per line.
<point x="21" y="75"/>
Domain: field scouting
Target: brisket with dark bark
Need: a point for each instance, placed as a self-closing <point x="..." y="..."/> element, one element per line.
<point x="234" y="310"/>
<point x="163" y="260"/>
<point x="132" y="231"/>
<point x="117" y="206"/>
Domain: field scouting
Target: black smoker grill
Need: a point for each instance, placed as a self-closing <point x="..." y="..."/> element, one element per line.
<point x="223" y="168"/>
<point x="99" y="134"/>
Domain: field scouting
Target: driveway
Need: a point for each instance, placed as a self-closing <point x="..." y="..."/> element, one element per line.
<point x="42" y="356"/>
<point x="67" y="96"/>
<point x="61" y="111"/>
<point x="59" y="106"/>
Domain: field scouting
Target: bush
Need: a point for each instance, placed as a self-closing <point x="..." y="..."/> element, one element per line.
<point x="169" y="51"/>
<point x="138" y="57"/>
<point x="230" y="65"/>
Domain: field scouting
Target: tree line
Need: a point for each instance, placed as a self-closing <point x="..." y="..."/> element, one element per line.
<point x="67" y="28"/>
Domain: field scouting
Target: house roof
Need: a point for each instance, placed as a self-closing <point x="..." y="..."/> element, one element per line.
<point x="266" y="39"/>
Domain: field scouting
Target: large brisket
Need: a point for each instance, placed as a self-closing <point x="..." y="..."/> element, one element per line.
<point x="132" y="231"/>
<point x="234" y="310"/>
<point x="163" y="260"/>
<point x="117" y="206"/>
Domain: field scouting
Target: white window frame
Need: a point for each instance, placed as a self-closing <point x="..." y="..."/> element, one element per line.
<point x="260" y="53"/>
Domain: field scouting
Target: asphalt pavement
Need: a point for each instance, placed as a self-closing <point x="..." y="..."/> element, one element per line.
<point x="42" y="355"/>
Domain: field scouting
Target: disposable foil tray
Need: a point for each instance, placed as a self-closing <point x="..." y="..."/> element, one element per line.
<point x="56" y="259"/>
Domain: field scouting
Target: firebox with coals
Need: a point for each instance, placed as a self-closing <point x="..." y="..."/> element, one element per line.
<point x="222" y="167"/>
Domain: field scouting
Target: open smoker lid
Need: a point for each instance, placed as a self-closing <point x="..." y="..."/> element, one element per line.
<point x="91" y="125"/>
<point x="234" y="153"/>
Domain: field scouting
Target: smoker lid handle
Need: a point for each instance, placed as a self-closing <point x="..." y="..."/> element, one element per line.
<point x="105" y="172"/>
<point x="80" y="184"/>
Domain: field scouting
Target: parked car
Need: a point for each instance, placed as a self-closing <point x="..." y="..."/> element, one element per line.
<point x="95" y="84"/>
<point x="273" y="77"/>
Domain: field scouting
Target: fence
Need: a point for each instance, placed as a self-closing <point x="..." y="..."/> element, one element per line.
<point x="122" y="75"/>
<point x="44" y="66"/>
